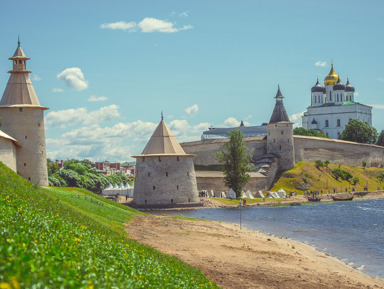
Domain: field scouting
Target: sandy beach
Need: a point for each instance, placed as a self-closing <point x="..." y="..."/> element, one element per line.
<point x="235" y="258"/>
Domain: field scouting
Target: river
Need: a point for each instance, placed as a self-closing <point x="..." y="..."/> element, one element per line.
<point x="351" y="231"/>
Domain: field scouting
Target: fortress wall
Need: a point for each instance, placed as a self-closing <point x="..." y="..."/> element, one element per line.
<point x="336" y="151"/>
<point x="208" y="180"/>
<point x="8" y="153"/>
<point x="205" y="151"/>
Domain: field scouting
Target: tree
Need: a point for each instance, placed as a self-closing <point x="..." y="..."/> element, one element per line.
<point x="326" y="163"/>
<point x="235" y="162"/>
<point x="355" y="180"/>
<point x="52" y="167"/>
<point x="308" y="132"/>
<point x="380" y="140"/>
<point x="364" y="163"/>
<point x="359" y="131"/>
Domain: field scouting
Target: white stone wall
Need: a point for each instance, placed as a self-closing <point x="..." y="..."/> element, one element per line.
<point x="27" y="126"/>
<point x="165" y="181"/>
<point x="8" y="153"/>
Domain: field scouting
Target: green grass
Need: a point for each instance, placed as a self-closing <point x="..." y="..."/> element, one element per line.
<point x="317" y="179"/>
<point x="58" y="238"/>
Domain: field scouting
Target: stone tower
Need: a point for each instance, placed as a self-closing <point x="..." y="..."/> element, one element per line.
<point x="280" y="135"/>
<point x="165" y="174"/>
<point x="22" y="117"/>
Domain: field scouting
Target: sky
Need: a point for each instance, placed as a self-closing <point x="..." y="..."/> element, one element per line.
<point x="107" y="69"/>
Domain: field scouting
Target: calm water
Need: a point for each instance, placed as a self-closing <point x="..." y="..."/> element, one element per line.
<point x="350" y="231"/>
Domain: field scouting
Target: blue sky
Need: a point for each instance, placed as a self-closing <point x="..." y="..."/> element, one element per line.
<point x="106" y="69"/>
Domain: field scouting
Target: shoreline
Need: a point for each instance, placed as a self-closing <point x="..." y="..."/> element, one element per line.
<point x="213" y="203"/>
<point x="244" y="258"/>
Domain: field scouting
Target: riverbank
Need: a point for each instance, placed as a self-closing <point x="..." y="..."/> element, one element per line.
<point x="244" y="258"/>
<point x="226" y="203"/>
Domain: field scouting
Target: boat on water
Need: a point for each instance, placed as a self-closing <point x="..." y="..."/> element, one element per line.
<point x="342" y="198"/>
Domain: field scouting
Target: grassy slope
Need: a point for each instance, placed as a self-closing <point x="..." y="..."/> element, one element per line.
<point x="58" y="238"/>
<point x="318" y="179"/>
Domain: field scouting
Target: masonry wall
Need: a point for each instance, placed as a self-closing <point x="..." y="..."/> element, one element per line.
<point x="207" y="180"/>
<point x="336" y="151"/>
<point x="280" y="142"/>
<point x="27" y="127"/>
<point x="8" y="153"/>
<point x="165" y="181"/>
<point x="205" y="151"/>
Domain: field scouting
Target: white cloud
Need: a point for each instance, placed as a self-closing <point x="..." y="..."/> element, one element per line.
<point x="233" y="122"/>
<point x="80" y="116"/>
<point x="296" y="119"/>
<point x="74" y="78"/>
<point x="97" y="98"/>
<point x="183" y="14"/>
<point x="35" y="77"/>
<point x="57" y="90"/>
<point x="147" y="25"/>
<point x="120" y="25"/>
<point x="191" y="111"/>
<point x="377" y="106"/>
<point x="380" y="79"/>
<point x="321" y="63"/>
<point x="356" y="93"/>
<point x="117" y="142"/>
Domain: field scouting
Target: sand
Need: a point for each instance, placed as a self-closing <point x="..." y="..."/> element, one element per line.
<point x="235" y="258"/>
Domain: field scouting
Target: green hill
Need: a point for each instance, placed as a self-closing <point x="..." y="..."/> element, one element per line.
<point x="306" y="176"/>
<point x="72" y="238"/>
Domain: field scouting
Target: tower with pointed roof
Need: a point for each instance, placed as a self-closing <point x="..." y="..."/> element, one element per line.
<point x="165" y="174"/>
<point x="333" y="106"/>
<point x="22" y="118"/>
<point x="280" y="135"/>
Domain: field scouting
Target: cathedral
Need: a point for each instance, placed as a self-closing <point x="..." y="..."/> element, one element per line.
<point x="333" y="106"/>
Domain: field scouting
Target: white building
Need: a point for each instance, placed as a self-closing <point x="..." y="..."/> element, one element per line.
<point x="333" y="106"/>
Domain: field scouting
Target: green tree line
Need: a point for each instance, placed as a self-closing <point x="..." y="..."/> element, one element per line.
<point x="80" y="174"/>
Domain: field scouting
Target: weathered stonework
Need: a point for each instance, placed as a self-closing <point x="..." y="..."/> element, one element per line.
<point x="8" y="153"/>
<point x="165" y="180"/>
<point x="27" y="126"/>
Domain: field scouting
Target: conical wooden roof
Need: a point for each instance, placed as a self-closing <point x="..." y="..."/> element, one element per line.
<point x="19" y="91"/>
<point x="163" y="142"/>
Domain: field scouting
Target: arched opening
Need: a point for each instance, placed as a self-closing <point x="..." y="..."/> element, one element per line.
<point x="338" y="122"/>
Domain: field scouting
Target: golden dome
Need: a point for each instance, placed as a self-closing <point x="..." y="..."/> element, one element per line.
<point x="331" y="78"/>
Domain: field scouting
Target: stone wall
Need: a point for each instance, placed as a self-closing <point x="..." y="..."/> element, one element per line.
<point x="280" y="142"/>
<point x="26" y="125"/>
<point x="338" y="152"/>
<point x="205" y="151"/>
<point x="207" y="180"/>
<point x="165" y="180"/>
<point x="8" y="153"/>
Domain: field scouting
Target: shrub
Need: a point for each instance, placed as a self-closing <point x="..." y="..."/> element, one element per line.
<point x="355" y="180"/>
<point x="319" y="164"/>
<point x="326" y="163"/>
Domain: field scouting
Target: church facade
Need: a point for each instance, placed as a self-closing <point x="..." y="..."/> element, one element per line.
<point x="22" y="132"/>
<point x="333" y="106"/>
